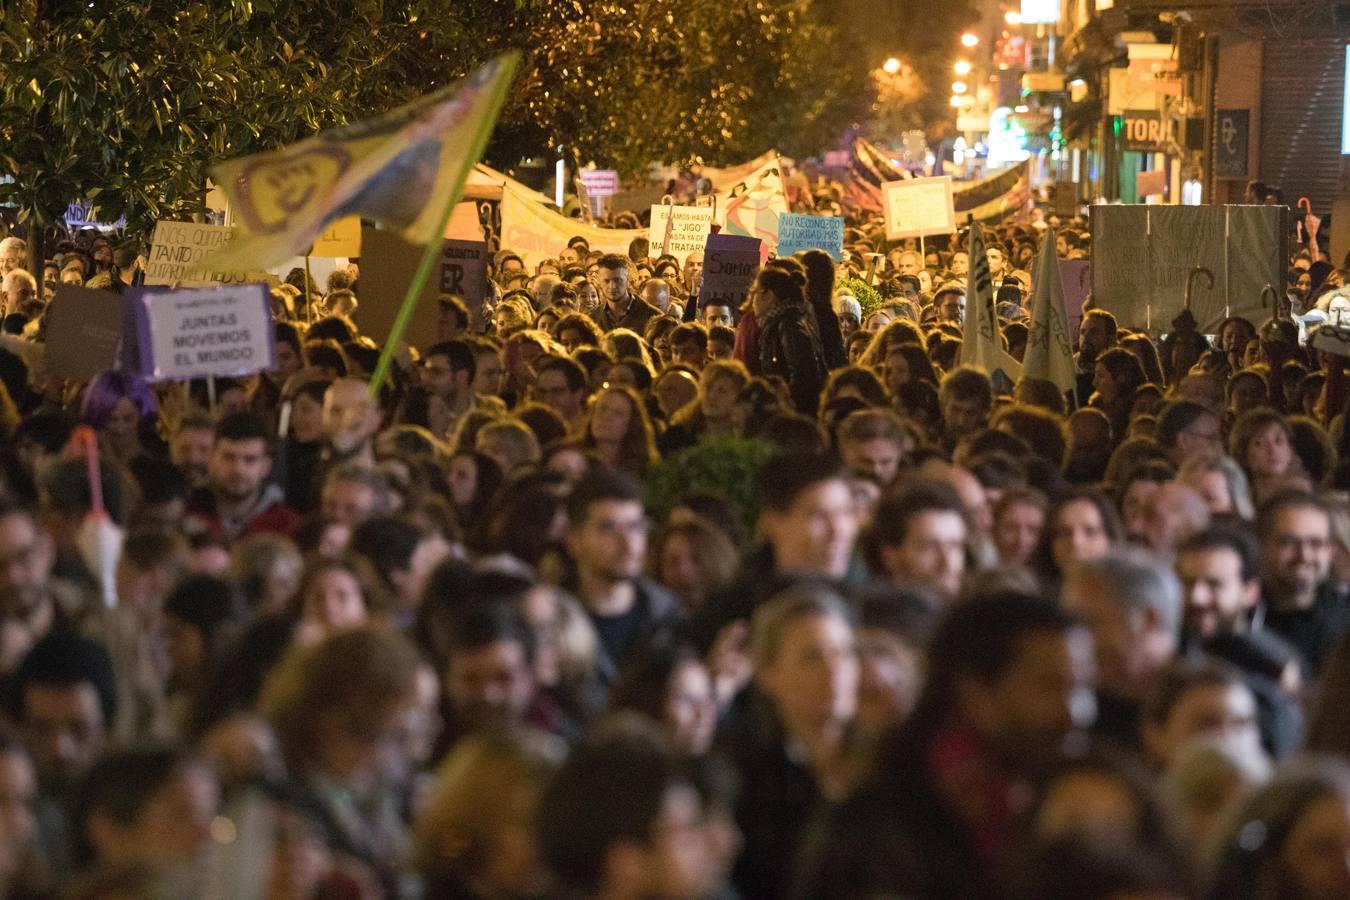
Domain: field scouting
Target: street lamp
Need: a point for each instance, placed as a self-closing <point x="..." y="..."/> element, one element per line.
<point x="969" y="39"/>
<point x="956" y="101"/>
<point x="959" y="87"/>
<point x="1012" y="17"/>
<point x="891" y="66"/>
<point x="962" y="67"/>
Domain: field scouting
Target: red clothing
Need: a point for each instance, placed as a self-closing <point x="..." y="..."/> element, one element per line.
<point x="746" y="348"/>
<point x="269" y="515"/>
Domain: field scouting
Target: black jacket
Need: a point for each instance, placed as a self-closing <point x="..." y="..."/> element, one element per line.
<point x="778" y="796"/>
<point x="895" y="837"/>
<point x="789" y="347"/>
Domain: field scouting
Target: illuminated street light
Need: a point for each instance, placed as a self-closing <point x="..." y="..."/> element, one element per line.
<point x="956" y="101"/>
<point x="1012" y="17"/>
<point x="959" y="87"/>
<point x="891" y="66"/>
<point x="962" y="67"/>
<point x="969" y="39"/>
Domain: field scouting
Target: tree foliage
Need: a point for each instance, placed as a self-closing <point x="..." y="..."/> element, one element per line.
<point x="129" y="103"/>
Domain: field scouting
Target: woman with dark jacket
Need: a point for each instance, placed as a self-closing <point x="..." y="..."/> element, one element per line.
<point x="789" y="343"/>
<point x="820" y="295"/>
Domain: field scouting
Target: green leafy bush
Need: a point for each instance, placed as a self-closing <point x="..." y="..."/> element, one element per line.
<point x="724" y="467"/>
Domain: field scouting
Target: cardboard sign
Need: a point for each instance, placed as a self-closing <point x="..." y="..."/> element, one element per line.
<point x="798" y="232"/>
<point x="730" y="263"/>
<point x="191" y="334"/>
<point x="340" y="239"/>
<point x="84" y="332"/>
<point x="601" y="182"/>
<point x="387" y="269"/>
<point x="177" y="250"/>
<point x="689" y="229"/>
<point x="464" y="271"/>
<point x="918" y="207"/>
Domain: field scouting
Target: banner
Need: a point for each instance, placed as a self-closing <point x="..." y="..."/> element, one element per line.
<point x="535" y="232"/>
<point x="994" y="198"/>
<point x="192" y="334"/>
<point x="869" y="168"/>
<point x="679" y="230"/>
<point x="1049" y="353"/>
<point x="730" y="263"/>
<point x="798" y="232"/>
<point x="178" y="252"/>
<point x="919" y="207"/>
<point x="341" y="238"/>
<point x="726" y="179"/>
<point x="401" y="169"/>
<point x="982" y="342"/>
<point x="751" y="208"/>
<point x="84" y="331"/>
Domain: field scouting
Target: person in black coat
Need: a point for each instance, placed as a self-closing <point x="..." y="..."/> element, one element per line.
<point x="789" y="344"/>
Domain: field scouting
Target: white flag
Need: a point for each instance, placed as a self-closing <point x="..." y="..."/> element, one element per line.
<point x="982" y="343"/>
<point x="1049" y="354"/>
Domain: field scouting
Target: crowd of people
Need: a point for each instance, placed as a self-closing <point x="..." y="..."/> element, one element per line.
<point x="447" y="639"/>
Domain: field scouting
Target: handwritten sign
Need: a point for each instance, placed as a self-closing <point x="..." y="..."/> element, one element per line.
<point x="340" y="239"/>
<point x="918" y="207"/>
<point x="689" y="228"/>
<point x="177" y="250"/>
<point x="84" y="332"/>
<point x="730" y="263"/>
<point x="798" y="232"/>
<point x="194" y="333"/>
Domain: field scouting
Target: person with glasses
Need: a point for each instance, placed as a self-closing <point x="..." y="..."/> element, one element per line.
<point x="607" y="540"/>
<point x="1186" y="429"/>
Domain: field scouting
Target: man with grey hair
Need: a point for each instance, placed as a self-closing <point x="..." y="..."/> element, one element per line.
<point x="13" y="254"/>
<point x="1131" y="600"/>
<point x="1173" y="513"/>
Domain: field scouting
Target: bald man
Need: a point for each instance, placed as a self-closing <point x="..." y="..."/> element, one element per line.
<point x="351" y="419"/>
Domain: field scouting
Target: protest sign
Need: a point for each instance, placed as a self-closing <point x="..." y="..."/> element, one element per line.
<point x="1076" y="276"/>
<point x="918" y="207"/>
<point x="387" y="270"/>
<point x="798" y="232"/>
<point x="601" y="182"/>
<point x="341" y="238"/>
<point x="177" y="250"/>
<point x="84" y="332"/>
<point x="689" y="228"/>
<point x="464" y="271"/>
<point x="729" y="265"/>
<point x="195" y="333"/>
<point x="1144" y="255"/>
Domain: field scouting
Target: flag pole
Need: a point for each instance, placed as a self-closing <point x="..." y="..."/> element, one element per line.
<point x="433" y="247"/>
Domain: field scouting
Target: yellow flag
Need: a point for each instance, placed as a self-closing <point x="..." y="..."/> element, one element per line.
<point x="401" y="169"/>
